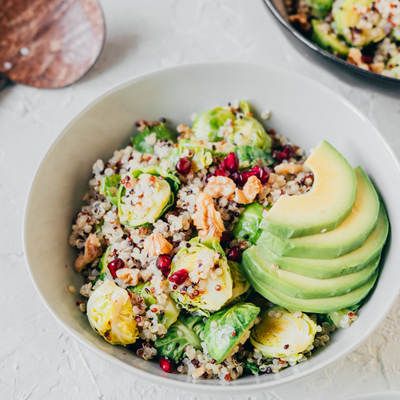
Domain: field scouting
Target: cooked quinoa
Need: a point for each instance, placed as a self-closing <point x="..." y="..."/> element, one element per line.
<point x="148" y="265"/>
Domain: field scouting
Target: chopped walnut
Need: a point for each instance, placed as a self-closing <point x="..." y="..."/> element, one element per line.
<point x="301" y="21"/>
<point x="207" y="220"/>
<point x="219" y="186"/>
<point x="156" y="244"/>
<point x="377" y="67"/>
<point x="185" y="132"/>
<point x="287" y="169"/>
<point x="250" y="190"/>
<point x="355" y="58"/>
<point x="130" y="276"/>
<point x="92" y="251"/>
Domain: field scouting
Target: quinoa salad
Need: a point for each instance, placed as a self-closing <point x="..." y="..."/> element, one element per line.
<point x="193" y="245"/>
<point x="365" y="33"/>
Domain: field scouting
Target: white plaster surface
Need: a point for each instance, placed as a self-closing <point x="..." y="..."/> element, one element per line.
<point x="38" y="359"/>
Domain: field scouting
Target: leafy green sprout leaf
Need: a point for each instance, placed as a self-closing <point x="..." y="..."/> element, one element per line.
<point x="247" y="227"/>
<point x="109" y="188"/>
<point x="225" y="329"/>
<point x="139" y="142"/>
<point x="184" y="332"/>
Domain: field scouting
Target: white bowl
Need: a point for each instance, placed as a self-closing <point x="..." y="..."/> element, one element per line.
<point x="302" y="110"/>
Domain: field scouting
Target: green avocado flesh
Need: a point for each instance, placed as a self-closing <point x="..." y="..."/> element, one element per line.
<point x="328" y="41"/>
<point x="325" y="206"/>
<point x="300" y="286"/>
<point x="347" y="237"/>
<point x="347" y="264"/>
<point x="321" y="306"/>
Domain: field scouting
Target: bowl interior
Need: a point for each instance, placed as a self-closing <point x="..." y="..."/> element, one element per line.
<point x="301" y="110"/>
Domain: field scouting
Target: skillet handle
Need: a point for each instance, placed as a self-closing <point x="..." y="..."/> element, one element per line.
<point x="3" y="80"/>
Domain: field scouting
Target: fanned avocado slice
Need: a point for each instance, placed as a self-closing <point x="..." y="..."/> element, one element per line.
<point x="329" y="41"/>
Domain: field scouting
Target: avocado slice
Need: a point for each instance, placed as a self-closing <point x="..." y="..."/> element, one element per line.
<point x="300" y="286"/>
<point x="319" y="8"/>
<point x="325" y="206"/>
<point x="350" y="235"/>
<point x="347" y="264"/>
<point x="320" y="306"/>
<point x="347" y="14"/>
<point x="329" y="41"/>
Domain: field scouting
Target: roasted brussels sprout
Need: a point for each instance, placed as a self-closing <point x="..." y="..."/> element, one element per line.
<point x="200" y="277"/>
<point x="110" y="314"/>
<point x="228" y="328"/>
<point x="109" y="188"/>
<point x="184" y="332"/>
<point x="170" y="307"/>
<point x="199" y="155"/>
<point x="207" y="124"/>
<point x="241" y="287"/>
<point x="145" y="194"/>
<point x="282" y="333"/>
<point x="250" y="156"/>
<point x="247" y="227"/>
<point x="145" y="141"/>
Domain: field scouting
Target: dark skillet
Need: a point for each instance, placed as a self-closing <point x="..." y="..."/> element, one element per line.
<point x="277" y="7"/>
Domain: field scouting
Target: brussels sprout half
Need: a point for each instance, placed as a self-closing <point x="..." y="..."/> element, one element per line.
<point x="164" y="184"/>
<point x="216" y="291"/>
<point x="170" y="307"/>
<point x="140" y="143"/>
<point x="241" y="287"/>
<point x="250" y="156"/>
<point x="227" y="328"/>
<point x="282" y="333"/>
<point x="247" y="227"/>
<point x="207" y="124"/>
<point x="247" y="131"/>
<point x="184" y="332"/>
<point x="199" y="155"/>
<point x="109" y="188"/>
<point x="110" y="314"/>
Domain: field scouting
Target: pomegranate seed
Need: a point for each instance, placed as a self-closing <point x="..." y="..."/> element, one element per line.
<point x="221" y="172"/>
<point x="230" y="162"/>
<point x="234" y="254"/>
<point x="285" y="154"/>
<point x="240" y="178"/>
<point x="179" y="277"/>
<point x="367" y="59"/>
<point x="183" y="166"/>
<point x="262" y="173"/>
<point x="163" y="263"/>
<point x="226" y="237"/>
<point x="227" y="377"/>
<point x="167" y="364"/>
<point x="217" y="288"/>
<point x="114" y="265"/>
<point x="351" y="314"/>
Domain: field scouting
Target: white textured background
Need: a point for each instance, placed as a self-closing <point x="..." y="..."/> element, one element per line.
<point x="38" y="360"/>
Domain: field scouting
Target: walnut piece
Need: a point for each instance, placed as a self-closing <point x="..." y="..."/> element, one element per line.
<point x="207" y="220"/>
<point x="185" y="132"/>
<point x="156" y="244"/>
<point x="355" y="58"/>
<point x="130" y="276"/>
<point x="377" y="67"/>
<point x="219" y="186"/>
<point x="290" y="168"/>
<point x="92" y="251"/>
<point x="301" y="21"/>
<point x="250" y="190"/>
